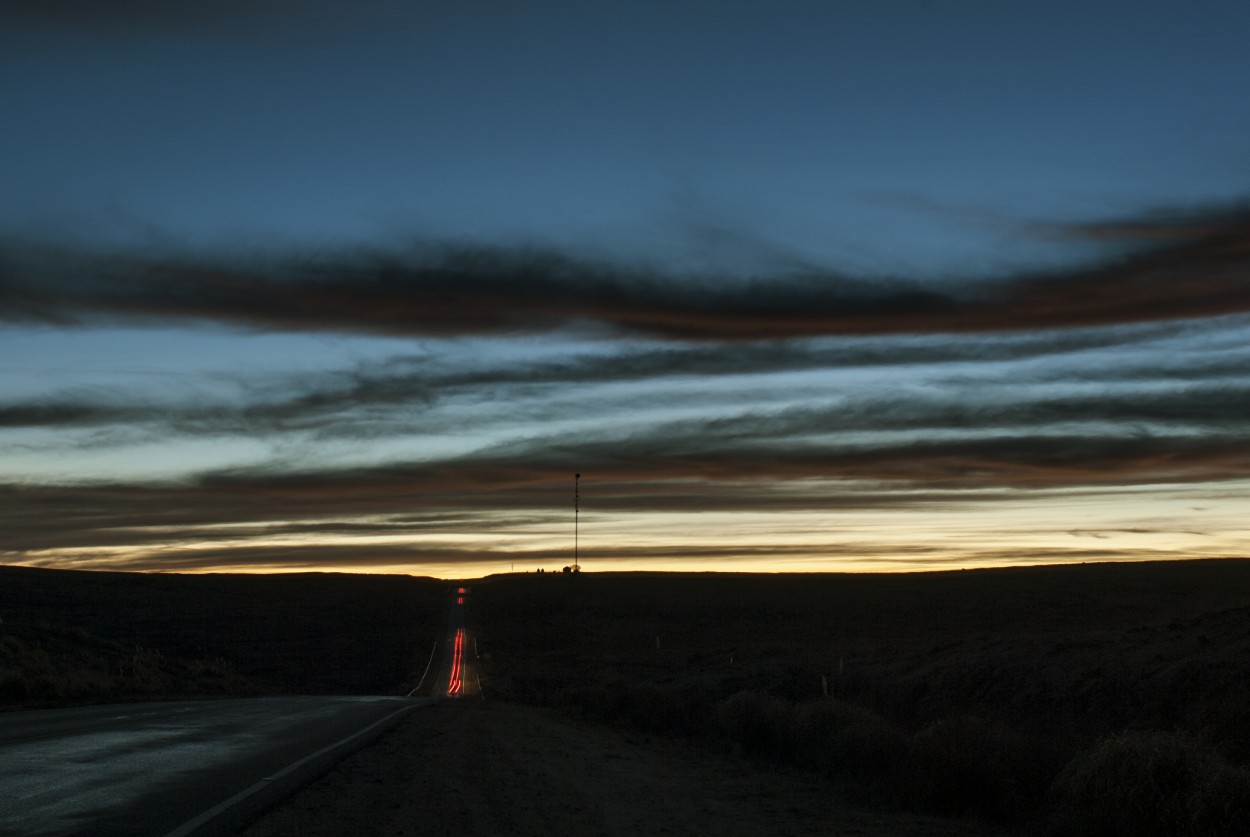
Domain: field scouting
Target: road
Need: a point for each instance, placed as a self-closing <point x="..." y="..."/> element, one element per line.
<point x="186" y="768"/>
<point x="191" y="767"/>
<point x="148" y="769"/>
<point x="459" y="677"/>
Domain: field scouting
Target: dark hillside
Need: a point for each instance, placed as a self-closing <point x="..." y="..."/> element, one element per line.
<point x="957" y="692"/>
<point x="1096" y="645"/>
<point x="305" y="633"/>
<point x="42" y="664"/>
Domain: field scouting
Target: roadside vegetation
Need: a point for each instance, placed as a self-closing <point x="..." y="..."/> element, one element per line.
<point x="42" y="664"/>
<point x="78" y="637"/>
<point x="1079" y="700"/>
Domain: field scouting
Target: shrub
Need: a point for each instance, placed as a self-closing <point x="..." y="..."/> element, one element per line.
<point x="843" y="739"/>
<point x="970" y="767"/>
<point x="654" y="708"/>
<point x="1152" y="783"/>
<point x="649" y="706"/>
<point x="759" y="722"/>
<point x="13" y="689"/>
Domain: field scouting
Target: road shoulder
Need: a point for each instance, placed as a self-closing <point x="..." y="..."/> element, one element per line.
<point x="478" y="768"/>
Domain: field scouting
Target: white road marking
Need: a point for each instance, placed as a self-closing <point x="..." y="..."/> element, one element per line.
<point x="427" y="670"/>
<point x="190" y="826"/>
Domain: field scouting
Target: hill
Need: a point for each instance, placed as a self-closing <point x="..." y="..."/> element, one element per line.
<point x="89" y="636"/>
<point x="1108" y="687"/>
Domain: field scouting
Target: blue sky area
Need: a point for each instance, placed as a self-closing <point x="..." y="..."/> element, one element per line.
<point x="795" y="286"/>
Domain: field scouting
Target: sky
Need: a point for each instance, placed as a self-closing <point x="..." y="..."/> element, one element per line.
<point x="794" y="286"/>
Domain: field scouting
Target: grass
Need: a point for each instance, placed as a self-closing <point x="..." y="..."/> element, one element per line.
<point x="966" y="693"/>
<point x="46" y="664"/>
<point x="87" y="637"/>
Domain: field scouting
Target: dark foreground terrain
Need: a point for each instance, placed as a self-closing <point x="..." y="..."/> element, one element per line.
<point x="1098" y="699"/>
<point x="472" y="767"/>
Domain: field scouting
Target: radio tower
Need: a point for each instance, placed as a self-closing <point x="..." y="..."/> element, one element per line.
<point x="577" y="502"/>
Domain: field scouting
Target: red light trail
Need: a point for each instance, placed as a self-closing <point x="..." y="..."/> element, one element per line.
<point x="454" y="683"/>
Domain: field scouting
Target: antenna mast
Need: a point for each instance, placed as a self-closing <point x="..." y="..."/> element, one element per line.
<point x="577" y="510"/>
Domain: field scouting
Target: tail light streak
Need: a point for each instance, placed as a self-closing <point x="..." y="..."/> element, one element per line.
<point x="454" y="681"/>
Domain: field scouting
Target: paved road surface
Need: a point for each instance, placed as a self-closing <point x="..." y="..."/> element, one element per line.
<point x="459" y="675"/>
<point x="147" y="769"/>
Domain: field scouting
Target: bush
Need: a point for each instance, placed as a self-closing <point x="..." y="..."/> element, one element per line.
<point x="759" y="722"/>
<point x="647" y="706"/>
<point x="1147" y="784"/>
<point x="13" y="689"/>
<point x="843" y="739"/>
<point x="970" y="767"/>
<point x="654" y="708"/>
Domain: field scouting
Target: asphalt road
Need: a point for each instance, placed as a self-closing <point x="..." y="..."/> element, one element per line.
<point x="158" y="768"/>
<point x="459" y="675"/>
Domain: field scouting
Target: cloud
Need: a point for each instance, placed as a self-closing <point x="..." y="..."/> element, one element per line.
<point x="1159" y="226"/>
<point x="457" y="557"/>
<point x="497" y="493"/>
<point x="67" y="412"/>
<point x="346" y="557"/>
<point x="1200" y="271"/>
<point x="890" y="447"/>
<point x="962" y="397"/>
<point x="311" y="400"/>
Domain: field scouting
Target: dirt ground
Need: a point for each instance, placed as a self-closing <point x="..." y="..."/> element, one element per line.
<point x="473" y="767"/>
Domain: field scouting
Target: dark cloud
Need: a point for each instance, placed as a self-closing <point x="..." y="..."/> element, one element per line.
<point x="1032" y="555"/>
<point x="73" y="411"/>
<point x="447" y="291"/>
<point x="1103" y="534"/>
<point x="1160" y="226"/>
<point x="1211" y="408"/>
